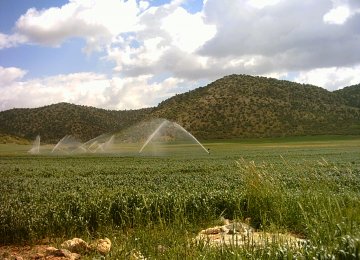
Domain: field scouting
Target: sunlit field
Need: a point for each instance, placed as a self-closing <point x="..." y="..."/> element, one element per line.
<point x="307" y="186"/>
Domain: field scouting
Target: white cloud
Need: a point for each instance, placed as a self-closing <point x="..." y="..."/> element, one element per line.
<point x="146" y="55"/>
<point x="281" y="35"/>
<point x="262" y="3"/>
<point x="188" y="31"/>
<point x="254" y="37"/>
<point x="8" y="41"/>
<point x="341" y="11"/>
<point x="144" y="5"/>
<point x="80" y="88"/>
<point x="9" y="75"/>
<point x="166" y="44"/>
<point x="331" y="78"/>
<point x="138" y="92"/>
<point x="162" y="40"/>
<point x="337" y="15"/>
<point x="90" y="89"/>
<point x="96" y="21"/>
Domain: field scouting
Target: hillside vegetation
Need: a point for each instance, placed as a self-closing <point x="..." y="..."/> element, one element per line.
<point x="10" y="139"/>
<point x="235" y="106"/>
<point x="246" y="106"/>
<point x="55" y="121"/>
<point x="351" y="95"/>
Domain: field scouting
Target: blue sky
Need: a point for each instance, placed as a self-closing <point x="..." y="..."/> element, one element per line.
<point x="128" y="54"/>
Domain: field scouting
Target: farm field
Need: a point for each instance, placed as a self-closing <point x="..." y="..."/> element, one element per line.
<point x="307" y="186"/>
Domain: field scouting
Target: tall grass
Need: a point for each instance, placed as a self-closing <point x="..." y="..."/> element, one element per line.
<point x="159" y="211"/>
<point x="318" y="202"/>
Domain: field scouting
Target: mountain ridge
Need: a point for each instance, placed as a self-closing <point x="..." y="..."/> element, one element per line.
<point x="261" y="107"/>
<point x="235" y="106"/>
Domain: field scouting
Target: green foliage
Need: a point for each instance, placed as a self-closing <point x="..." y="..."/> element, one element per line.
<point x="235" y="106"/>
<point x="351" y="95"/>
<point x="10" y="139"/>
<point x="241" y="106"/>
<point x="55" y="121"/>
<point x="308" y="188"/>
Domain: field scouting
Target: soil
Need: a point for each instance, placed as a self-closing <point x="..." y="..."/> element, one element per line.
<point x="17" y="252"/>
<point x="229" y="234"/>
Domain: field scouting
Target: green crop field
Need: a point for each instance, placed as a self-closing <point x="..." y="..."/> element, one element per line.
<point x="308" y="186"/>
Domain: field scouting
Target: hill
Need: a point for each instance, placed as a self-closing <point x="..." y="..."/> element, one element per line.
<point x="9" y="139"/>
<point x="235" y="106"/>
<point x="55" y="121"/>
<point x="245" y="106"/>
<point x="351" y="95"/>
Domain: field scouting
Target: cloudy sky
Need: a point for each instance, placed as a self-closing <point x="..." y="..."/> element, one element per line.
<point x="128" y="54"/>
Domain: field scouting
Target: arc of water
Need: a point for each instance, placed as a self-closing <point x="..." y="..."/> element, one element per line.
<point x="85" y="147"/>
<point x="62" y="139"/>
<point x="193" y="137"/>
<point x="100" y="148"/>
<point x="81" y="148"/>
<point x="95" y="143"/>
<point x="92" y="140"/>
<point x="36" y="146"/>
<point x="108" y="143"/>
<point x="152" y="135"/>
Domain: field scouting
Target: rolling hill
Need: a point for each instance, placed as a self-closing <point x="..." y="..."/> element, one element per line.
<point x="55" y="121"/>
<point x="245" y="106"/>
<point x="351" y="95"/>
<point x="235" y="106"/>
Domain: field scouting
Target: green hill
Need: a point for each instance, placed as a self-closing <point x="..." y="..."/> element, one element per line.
<point x="235" y="106"/>
<point x="246" y="106"/>
<point x="55" y="121"/>
<point x="351" y="95"/>
<point x="9" y="139"/>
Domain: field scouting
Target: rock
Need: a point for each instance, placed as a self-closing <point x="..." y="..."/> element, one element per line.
<point x="136" y="255"/>
<point x="239" y="233"/>
<point x="102" y="246"/>
<point x="11" y="256"/>
<point x="70" y="255"/>
<point x="161" y="249"/>
<point x="239" y="227"/>
<point x="65" y="253"/>
<point x="76" y="245"/>
<point x="212" y="231"/>
<point x="38" y="256"/>
<point x="50" y="250"/>
<point x="5" y="255"/>
<point x="62" y="253"/>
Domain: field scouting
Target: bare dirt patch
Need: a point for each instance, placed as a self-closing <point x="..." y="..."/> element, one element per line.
<point x="69" y="250"/>
<point x="15" y="252"/>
